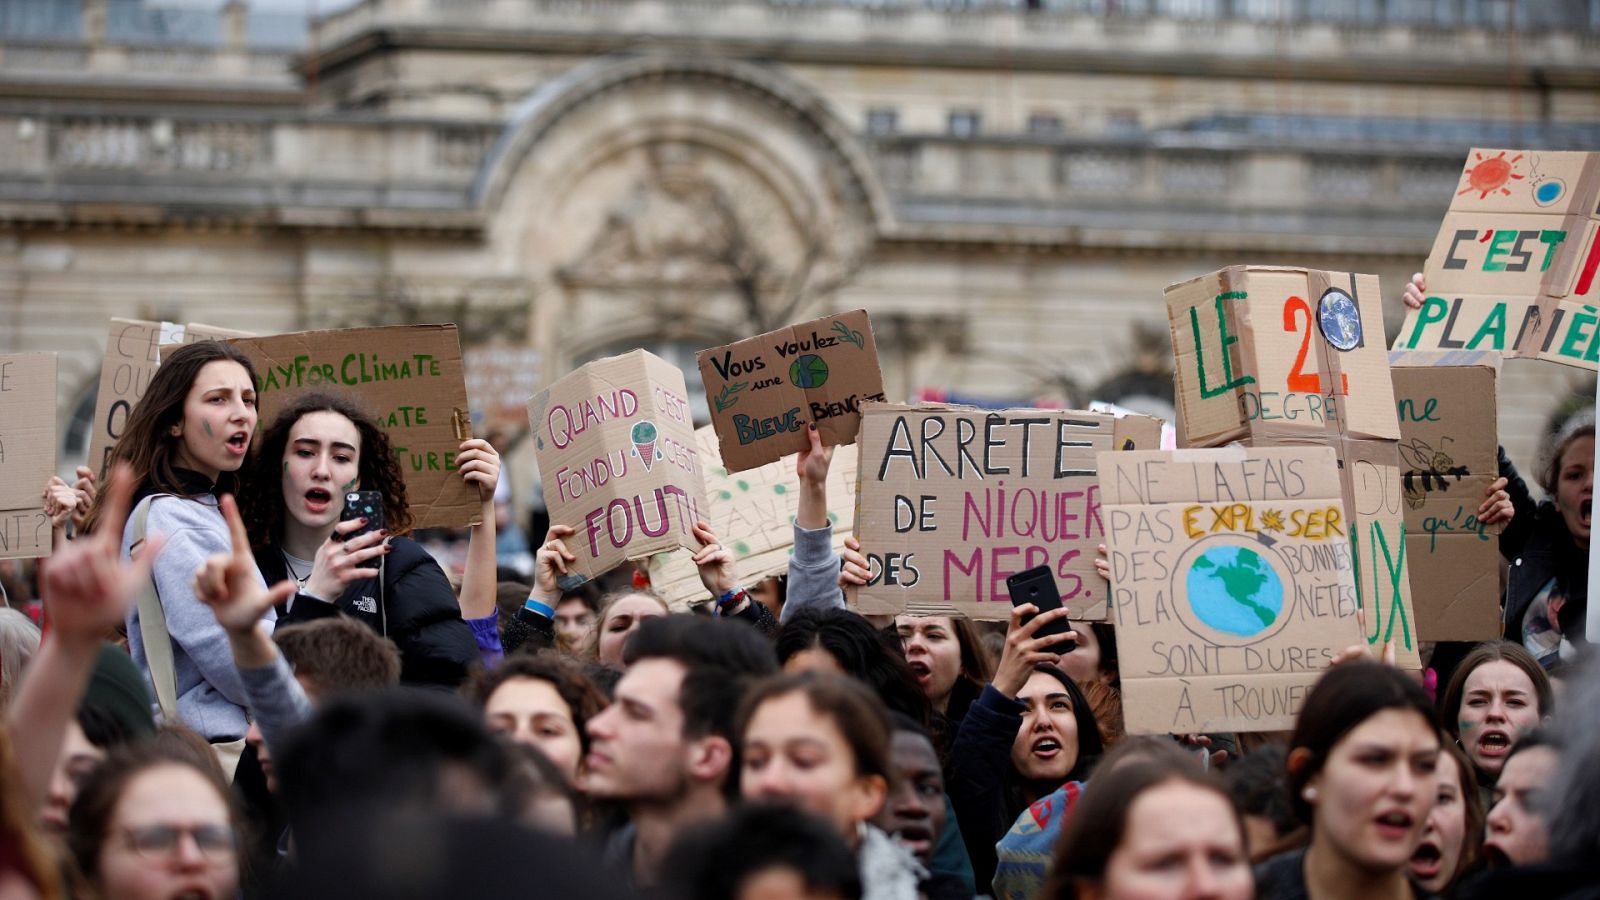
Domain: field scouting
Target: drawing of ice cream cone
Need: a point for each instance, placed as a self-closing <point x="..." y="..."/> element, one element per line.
<point x="644" y="443"/>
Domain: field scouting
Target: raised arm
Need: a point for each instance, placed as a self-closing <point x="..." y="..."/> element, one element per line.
<point x="814" y="567"/>
<point x="87" y="592"/>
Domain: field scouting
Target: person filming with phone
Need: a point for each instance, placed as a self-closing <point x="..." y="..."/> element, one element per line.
<point x="326" y="507"/>
<point x="1029" y="735"/>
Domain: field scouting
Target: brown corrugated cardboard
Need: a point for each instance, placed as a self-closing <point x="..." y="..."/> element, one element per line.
<point x="133" y="351"/>
<point x="1371" y="485"/>
<point x="764" y="391"/>
<point x="1448" y="457"/>
<point x="407" y="377"/>
<point x="1514" y="267"/>
<point x="619" y="460"/>
<point x="1264" y="350"/>
<point x="1232" y="583"/>
<point x="752" y="513"/>
<point x="954" y="499"/>
<point x="27" y="451"/>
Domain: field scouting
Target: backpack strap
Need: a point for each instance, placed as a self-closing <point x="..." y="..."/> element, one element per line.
<point x="153" y="625"/>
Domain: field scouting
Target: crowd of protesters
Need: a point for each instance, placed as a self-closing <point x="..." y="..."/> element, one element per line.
<point x="238" y="692"/>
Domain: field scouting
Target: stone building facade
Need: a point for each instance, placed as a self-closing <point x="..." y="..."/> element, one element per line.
<point x="1005" y="186"/>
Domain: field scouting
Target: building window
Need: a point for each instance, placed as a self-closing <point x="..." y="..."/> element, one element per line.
<point x="964" y="123"/>
<point x="882" y="121"/>
<point x="1122" y="121"/>
<point x="1044" y="124"/>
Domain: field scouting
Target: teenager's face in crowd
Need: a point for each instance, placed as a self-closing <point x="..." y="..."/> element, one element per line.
<point x="1498" y="706"/>
<point x="1376" y="789"/>
<point x="1434" y="863"/>
<point x="637" y="751"/>
<point x="1519" y="835"/>
<point x="1575" y="488"/>
<point x="321" y="461"/>
<point x="934" y="653"/>
<point x="574" y="624"/>
<point x="219" y="418"/>
<point x="135" y="862"/>
<point x="1046" y="746"/>
<point x="77" y="759"/>
<point x="914" y="812"/>
<point x="794" y="753"/>
<point x="1180" y="842"/>
<point x="530" y="711"/>
<point x="1083" y="664"/>
<point x="621" y="621"/>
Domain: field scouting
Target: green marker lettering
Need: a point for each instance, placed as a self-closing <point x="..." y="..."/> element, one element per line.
<point x="1499" y="246"/>
<point x="1229" y="382"/>
<point x="1434" y="309"/>
<point x="1494" y="326"/>
<point x="1552" y="240"/>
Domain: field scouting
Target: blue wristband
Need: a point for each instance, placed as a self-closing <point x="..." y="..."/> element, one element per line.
<point x="731" y="598"/>
<point x="540" y="608"/>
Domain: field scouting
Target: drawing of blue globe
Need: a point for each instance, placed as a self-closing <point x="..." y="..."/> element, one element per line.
<point x="1234" y="591"/>
<point x="1339" y="319"/>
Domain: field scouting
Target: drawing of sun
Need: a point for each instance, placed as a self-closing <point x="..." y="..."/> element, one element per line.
<point x="1492" y="174"/>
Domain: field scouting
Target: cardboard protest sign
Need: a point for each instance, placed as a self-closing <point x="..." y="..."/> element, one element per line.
<point x="27" y="451"/>
<point x="407" y="377"/>
<point x="752" y="513"/>
<point x="500" y="379"/>
<point x="765" y="390"/>
<point x="1514" y="266"/>
<point x="1264" y="351"/>
<point x="1232" y="581"/>
<point x="617" y="451"/>
<point x="952" y="500"/>
<point x="133" y="352"/>
<point x="1448" y="458"/>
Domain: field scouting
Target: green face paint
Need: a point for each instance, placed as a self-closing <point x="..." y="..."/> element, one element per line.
<point x="207" y="426"/>
<point x="1465" y="726"/>
<point x="351" y="484"/>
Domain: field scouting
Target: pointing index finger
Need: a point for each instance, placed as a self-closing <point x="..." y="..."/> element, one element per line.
<point x="230" y="512"/>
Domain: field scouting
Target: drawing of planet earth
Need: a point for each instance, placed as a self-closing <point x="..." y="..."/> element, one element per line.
<point x="1339" y="320"/>
<point x="1233" y="590"/>
<point x="809" y="371"/>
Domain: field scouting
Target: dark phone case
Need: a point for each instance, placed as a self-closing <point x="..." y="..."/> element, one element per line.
<point x="1038" y="586"/>
<point x="358" y="504"/>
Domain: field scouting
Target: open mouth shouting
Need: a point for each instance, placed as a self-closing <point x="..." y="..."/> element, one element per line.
<point x="921" y="670"/>
<point x="238" y="443"/>
<point x="1493" y="743"/>
<point x="1395" y="825"/>
<point x="318" y="500"/>
<point x="1584" y="509"/>
<point x="1046" y="747"/>
<point x="1428" y="860"/>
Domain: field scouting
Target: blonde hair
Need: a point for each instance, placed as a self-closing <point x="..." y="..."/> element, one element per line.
<point x="19" y="640"/>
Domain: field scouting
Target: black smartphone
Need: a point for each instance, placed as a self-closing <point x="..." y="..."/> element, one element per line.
<point x="363" y="505"/>
<point x="1038" y="586"/>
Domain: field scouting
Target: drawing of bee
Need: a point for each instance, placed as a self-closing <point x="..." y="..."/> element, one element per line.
<point x="1429" y="470"/>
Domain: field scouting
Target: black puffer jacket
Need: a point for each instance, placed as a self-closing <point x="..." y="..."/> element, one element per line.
<point x="419" y="612"/>
<point x="1539" y="547"/>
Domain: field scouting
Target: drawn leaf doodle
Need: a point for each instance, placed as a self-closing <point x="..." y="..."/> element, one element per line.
<point x="725" y="397"/>
<point x="851" y="335"/>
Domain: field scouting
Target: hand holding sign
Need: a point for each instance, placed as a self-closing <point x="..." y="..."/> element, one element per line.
<point x="1497" y="508"/>
<point x="550" y="565"/>
<point x="714" y="561"/>
<point x="87" y="586"/>
<point x="855" y="571"/>
<point x="479" y="464"/>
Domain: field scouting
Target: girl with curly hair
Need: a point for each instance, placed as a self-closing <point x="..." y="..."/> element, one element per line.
<point x="321" y="447"/>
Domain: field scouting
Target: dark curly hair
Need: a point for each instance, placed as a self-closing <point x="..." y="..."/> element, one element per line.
<point x="262" y="501"/>
<point x="561" y="672"/>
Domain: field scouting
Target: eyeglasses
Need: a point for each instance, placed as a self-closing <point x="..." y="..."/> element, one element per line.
<point x="159" y="842"/>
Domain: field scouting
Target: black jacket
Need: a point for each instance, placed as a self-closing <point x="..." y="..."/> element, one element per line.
<point x="1539" y="547"/>
<point x="419" y="612"/>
